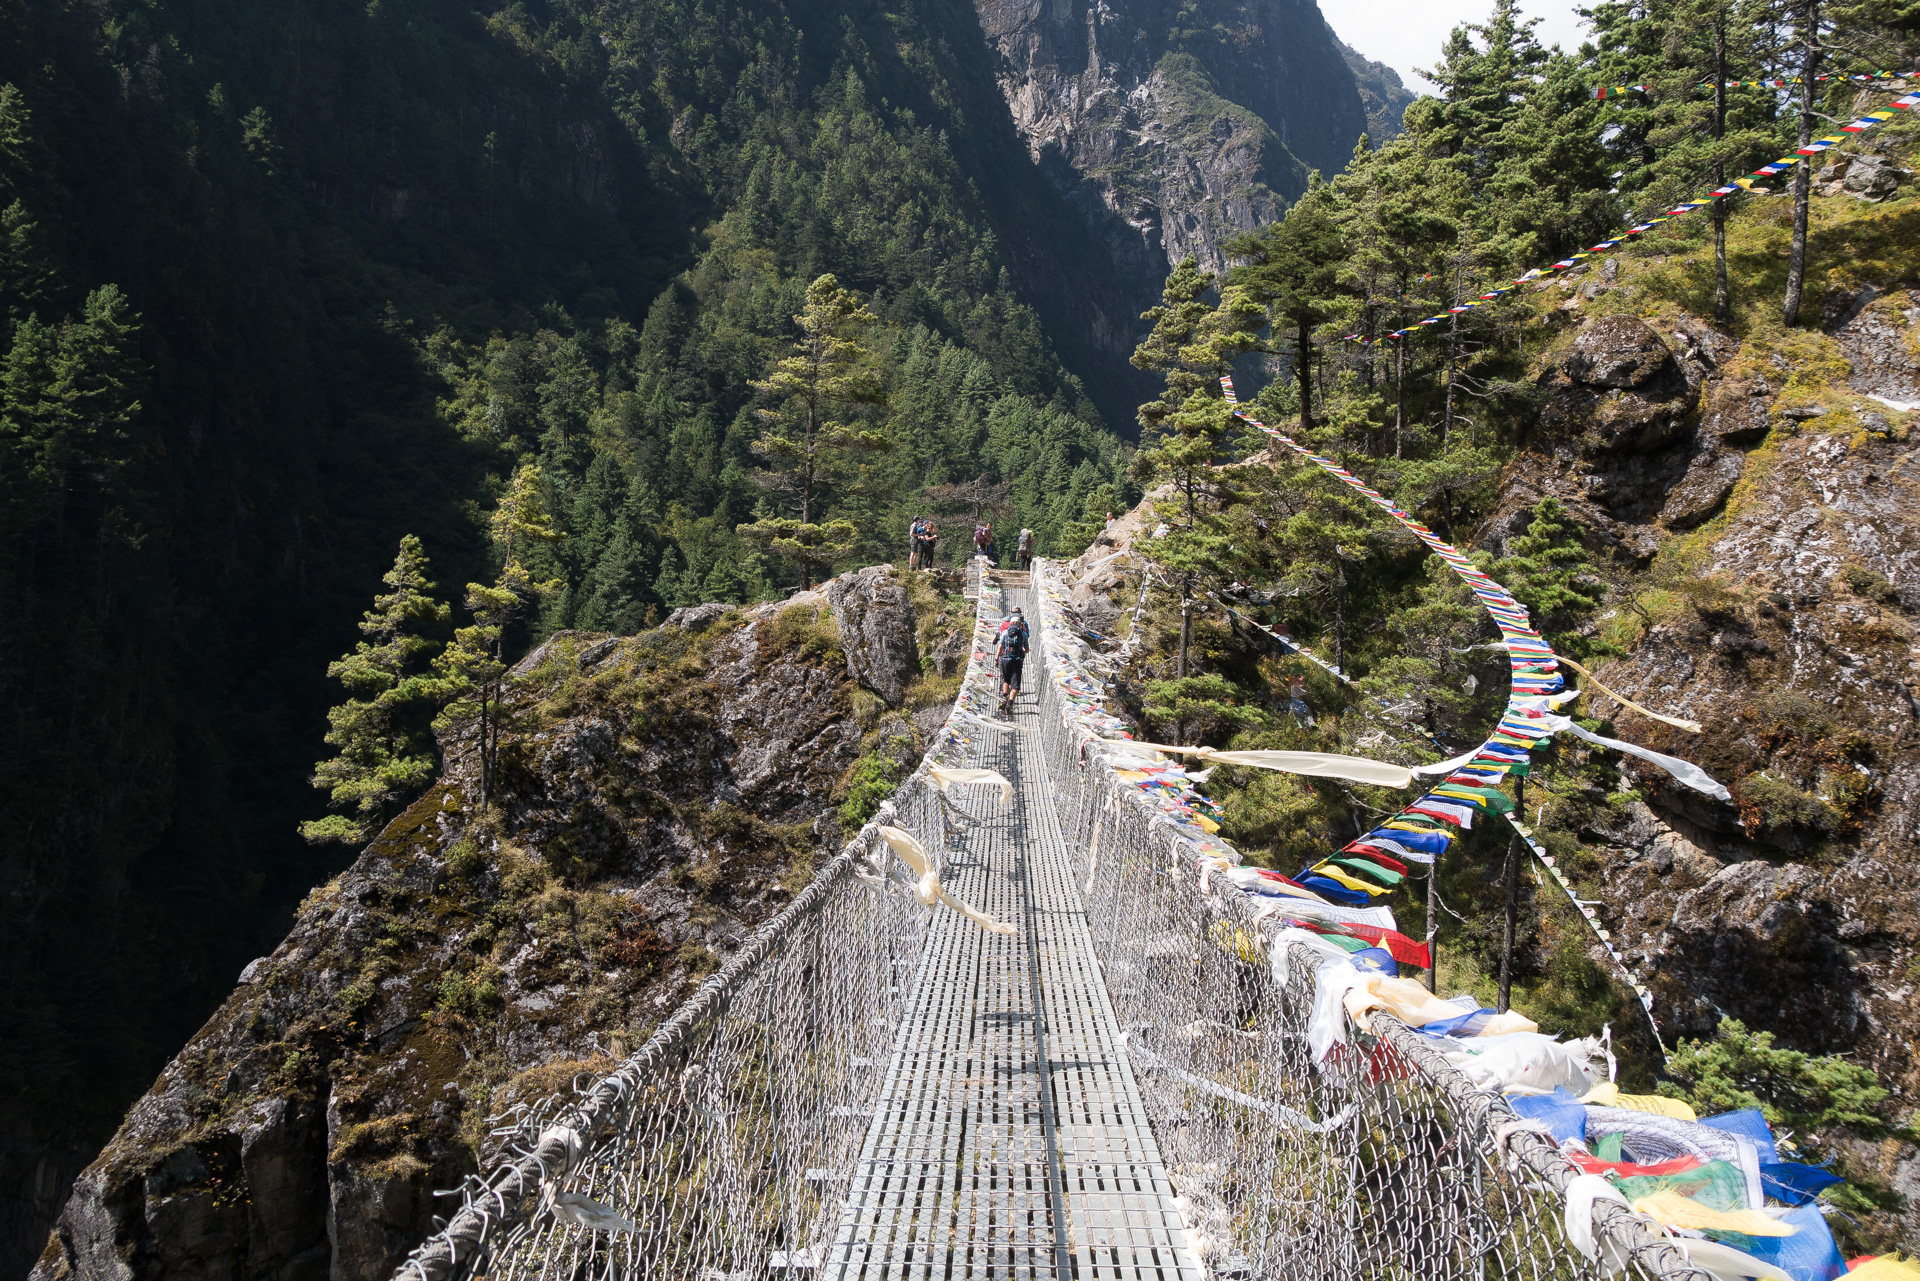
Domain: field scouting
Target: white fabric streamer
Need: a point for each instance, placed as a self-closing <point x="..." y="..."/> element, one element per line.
<point x="1582" y="1193"/>
<point x="1687" y="772"/>
<point x="1314" y="764"/>
<point x="1327" y="1026"/>
<point x="928" y="889"/>
<point x="1448" y="767"/>
<point x="944" y="778"/>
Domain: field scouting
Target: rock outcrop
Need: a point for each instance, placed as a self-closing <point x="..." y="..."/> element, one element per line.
<point x="656" y="797"/>
<point x="1790" y="637"/>
<point x="875" y="619"/>
<point x="1173" y="134"/>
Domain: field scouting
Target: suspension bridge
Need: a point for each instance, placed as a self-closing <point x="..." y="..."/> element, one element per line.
<point x="1109" y="1078"/>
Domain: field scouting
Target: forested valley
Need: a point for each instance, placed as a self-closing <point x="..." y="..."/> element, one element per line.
<point x="282" y="284"/>
<point x="564" y="317"/>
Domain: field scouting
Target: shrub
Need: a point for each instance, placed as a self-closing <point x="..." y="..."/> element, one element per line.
<point x="1864" y="582"/>
<point x="873" y="778"/>
<point x="1742" y="1069"/>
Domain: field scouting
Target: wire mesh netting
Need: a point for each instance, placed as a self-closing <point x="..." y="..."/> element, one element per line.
<point x="1118" y="1085"/>
<point x="1382" y="1161"/>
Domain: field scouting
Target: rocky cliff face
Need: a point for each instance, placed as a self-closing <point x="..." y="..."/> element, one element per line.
<point x="658" y="797"/>
<point x="1782" y="494"/>
<point x="1175" y="129"/>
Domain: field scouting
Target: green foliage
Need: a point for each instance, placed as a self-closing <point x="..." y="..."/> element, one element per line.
<point x="1742" y="1069"/>
<point x="1548" y="570"/>
<point x="803" y="447"/>
<point x="384" y="754"/>
<point x="472" y="666"/>
<point x="873" y="778"/>
<point x="1202" y="706"/>
<point x="1293" y="270"/>
<point x="333" y="307"/>
<point x="470" y="994"/>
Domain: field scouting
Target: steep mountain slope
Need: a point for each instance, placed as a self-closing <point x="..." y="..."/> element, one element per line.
<point x="659" y="797"/>
<point x="348" y="265"/>
<point x="1174" y="129"/>
<point x="1718" y="520"/>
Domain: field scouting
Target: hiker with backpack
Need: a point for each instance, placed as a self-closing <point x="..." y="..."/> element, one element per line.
<point x="1012" y="654"/>
<point x="1023" y="552"/>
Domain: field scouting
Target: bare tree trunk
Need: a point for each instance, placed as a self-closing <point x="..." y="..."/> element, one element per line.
<point x="1400" y="393"/>
<point x="1513" y="903"/>
<point x="1802" y="172"/>
<point x="1722" y="303"/>
<point x="1340" y="620"/>
<point x="1453" y="362"/>
<point x="1186" y="627"/>
<point x="1303" y="369"/>
<point x="1433" y="922"/>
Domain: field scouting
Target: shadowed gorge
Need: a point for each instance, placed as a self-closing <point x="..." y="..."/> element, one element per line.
<point x="511" y="519"/>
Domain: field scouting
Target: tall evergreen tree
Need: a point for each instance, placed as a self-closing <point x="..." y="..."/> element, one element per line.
<point x="1191" y="345"/>
<point x="384" y="752"/>
<point x="1292" y="268"/>
<point x="1548" y="570"/>
<point x="474" y="666"/>
<point x="802" y="444"/>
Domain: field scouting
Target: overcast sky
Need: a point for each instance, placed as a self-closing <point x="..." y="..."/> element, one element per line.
<point x="1406" y="34"/>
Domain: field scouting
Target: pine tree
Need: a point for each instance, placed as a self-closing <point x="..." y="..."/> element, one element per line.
<point x="1191" y="345"/>
<point x="1548" y="570"/>
<point x="1484" y="86"/>
<point x="474" y="666"/>
<point x="1292" y="268"/>
<point x="27" y="278"/>
<point x="1208" y="705"/>
<point x="384" y="752"/>
<point x="68" y="400"/>
<point x="1688" y="127"/>
<point x="803" y="446"/>
<point x="1408" y="205"/>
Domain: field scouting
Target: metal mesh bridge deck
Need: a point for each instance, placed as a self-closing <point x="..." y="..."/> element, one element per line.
<point x="1010" y="1138"/>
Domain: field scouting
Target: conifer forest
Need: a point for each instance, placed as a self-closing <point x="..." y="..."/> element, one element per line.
<point x="350" y="352"/>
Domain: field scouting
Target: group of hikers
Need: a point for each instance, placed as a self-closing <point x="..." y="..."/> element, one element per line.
<point x="925" y="532"/>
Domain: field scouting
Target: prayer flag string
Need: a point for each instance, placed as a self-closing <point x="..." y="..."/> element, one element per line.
<point x="1356" y="874"/>
<point x="1868" y="121"/>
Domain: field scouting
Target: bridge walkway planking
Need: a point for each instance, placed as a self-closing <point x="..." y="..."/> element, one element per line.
<point x="978" y="1163"/>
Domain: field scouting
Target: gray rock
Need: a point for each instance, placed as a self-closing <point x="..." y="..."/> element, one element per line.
<point x="949" y="652"/>
<point x="1874" y="340"/>
<point x="1870" y="178"/>
<point x="1618" y="352"/>
<point x="283" y="1155"/>
<point x="876" y="629"/>
<point x="1706" y="486"/>
<point x="1738" y="421"/>
<point x="1165" y="156"/>
<point x="697" y="618"/>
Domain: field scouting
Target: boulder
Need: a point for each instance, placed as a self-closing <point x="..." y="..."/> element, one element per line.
<point x="876" y="629"/>
<point x="1870" y="178"/>
<point x="1618" y="352"/>
<point x="1706" y="486"/>
<point x="697" y="618"/>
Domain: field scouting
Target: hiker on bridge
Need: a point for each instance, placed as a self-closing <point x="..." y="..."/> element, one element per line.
<point x="1012" y="654"/>
<point x="1023" y="553"/>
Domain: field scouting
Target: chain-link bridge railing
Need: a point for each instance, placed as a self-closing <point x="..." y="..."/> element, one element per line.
<point x="1120" y="1085"/>
<point x="720" y="1149"/>
<point x="1384" y="1161"/>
